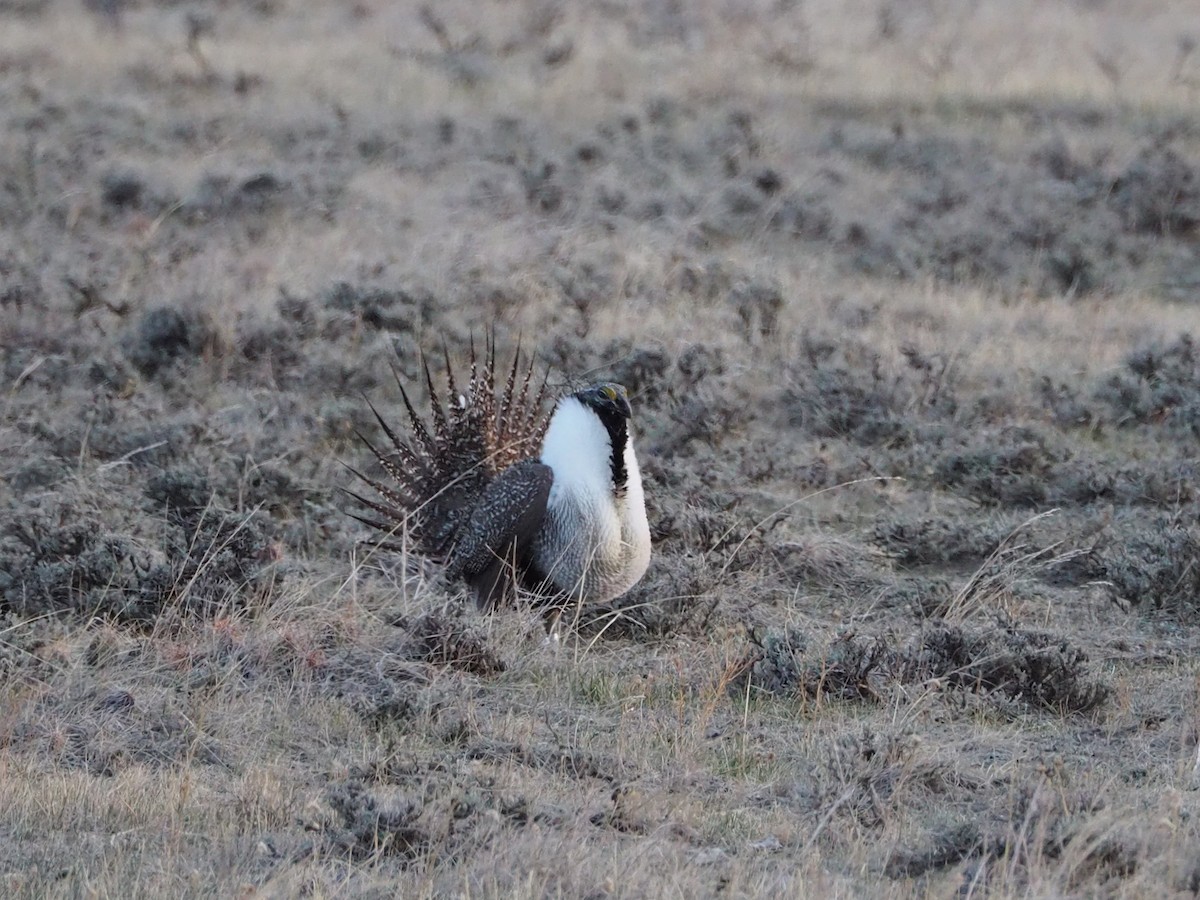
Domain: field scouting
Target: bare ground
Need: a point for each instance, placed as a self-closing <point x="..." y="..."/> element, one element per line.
<point x="906" y="296"/>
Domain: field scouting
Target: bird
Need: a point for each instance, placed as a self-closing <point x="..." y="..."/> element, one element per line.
<point x="507" y="497"/>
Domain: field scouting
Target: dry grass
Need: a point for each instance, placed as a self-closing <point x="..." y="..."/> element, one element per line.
<point x="904" y="294"/>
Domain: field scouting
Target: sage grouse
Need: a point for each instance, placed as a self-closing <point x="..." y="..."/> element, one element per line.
<point x="506" y="496"/>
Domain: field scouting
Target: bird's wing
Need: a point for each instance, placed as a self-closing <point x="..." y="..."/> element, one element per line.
<point x="504" y="520"/>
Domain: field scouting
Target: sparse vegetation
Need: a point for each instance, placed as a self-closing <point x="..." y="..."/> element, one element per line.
<point x="906" y="302"/>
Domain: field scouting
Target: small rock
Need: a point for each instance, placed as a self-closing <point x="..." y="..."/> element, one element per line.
<point x="710" y="856"/>
<point x="115" y="701"/>
<point x="121" y="189"/>
<point x="769" y="844"/>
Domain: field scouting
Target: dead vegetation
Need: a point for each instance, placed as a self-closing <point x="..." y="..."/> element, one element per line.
<point x="905" y="305"/>
<point x="1001" y="662"/>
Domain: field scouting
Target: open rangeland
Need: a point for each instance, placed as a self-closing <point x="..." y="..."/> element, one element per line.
<point x="905" y="295"/>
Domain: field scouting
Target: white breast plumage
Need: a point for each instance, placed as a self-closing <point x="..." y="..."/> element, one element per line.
<point x="595" y="540"/>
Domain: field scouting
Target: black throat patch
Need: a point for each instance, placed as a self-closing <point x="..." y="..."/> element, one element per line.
<point x="618" y="431"/>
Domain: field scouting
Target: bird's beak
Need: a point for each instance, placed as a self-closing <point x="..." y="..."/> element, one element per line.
<point x="622" y="404"/>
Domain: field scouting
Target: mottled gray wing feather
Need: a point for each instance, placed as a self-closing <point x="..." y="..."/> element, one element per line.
<point x="505" y="519"/>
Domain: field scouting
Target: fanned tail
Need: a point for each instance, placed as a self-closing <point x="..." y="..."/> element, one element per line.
<point x="437" y="472"/>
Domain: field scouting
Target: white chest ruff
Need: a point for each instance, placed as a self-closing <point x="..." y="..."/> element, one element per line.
<point x="592" y="545"/>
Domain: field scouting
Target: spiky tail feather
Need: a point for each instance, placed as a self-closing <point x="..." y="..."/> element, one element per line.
<point x="437" y="475"/>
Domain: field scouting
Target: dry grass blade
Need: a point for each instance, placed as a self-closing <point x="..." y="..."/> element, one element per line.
<point x="987" y="586"/>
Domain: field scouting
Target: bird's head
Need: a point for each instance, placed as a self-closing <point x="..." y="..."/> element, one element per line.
<point x="607" y="398"/>
<point x="588" y="438"/>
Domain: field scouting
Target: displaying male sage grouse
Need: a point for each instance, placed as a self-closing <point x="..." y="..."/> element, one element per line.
<point x="507" y="496"/>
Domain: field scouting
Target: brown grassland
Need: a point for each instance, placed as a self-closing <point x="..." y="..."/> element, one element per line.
<point x="906" y="295"/>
